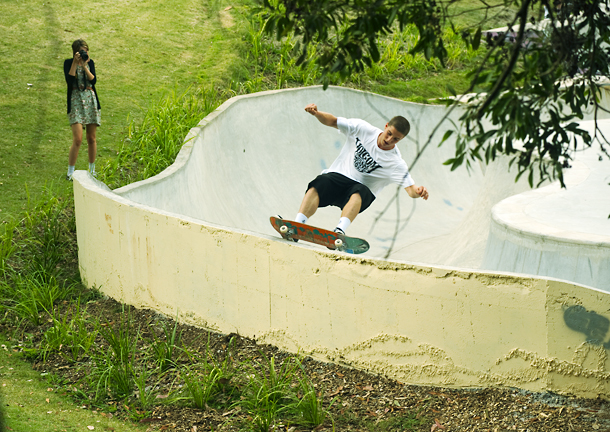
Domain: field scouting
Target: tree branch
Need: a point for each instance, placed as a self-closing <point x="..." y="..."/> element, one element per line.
<point x="522" y="14"/>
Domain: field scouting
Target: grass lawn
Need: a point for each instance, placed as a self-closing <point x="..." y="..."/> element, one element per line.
<point x="142" y="49"/>
<point x="30" y="404"/>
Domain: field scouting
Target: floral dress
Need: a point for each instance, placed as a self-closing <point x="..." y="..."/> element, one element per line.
<point x="83" y="102"/>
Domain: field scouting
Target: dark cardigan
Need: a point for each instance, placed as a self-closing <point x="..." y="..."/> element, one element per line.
<point x="70" y="80"/>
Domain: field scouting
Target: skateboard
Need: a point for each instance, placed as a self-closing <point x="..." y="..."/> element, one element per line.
<point x="294" y="230"/>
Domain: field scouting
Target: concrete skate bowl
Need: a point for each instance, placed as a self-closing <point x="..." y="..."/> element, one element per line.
<point x="196" y="241"/>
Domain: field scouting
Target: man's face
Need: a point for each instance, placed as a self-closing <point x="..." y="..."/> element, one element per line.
<point x="388" y="139"/>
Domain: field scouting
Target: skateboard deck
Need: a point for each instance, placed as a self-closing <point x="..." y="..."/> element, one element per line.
<point x="294" y="230"/>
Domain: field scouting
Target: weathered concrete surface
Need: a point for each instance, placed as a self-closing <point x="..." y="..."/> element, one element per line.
<point x="196" y="240"/>
<point x="563" y="233"/>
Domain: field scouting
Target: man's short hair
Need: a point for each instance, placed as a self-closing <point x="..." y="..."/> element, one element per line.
<point x="401" y="124"/>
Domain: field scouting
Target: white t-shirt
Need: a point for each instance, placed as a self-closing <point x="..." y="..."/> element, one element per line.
<point x="361" y="160"/>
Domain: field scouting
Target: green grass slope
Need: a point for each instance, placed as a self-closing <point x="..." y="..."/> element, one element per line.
<point x="141" y="50"/>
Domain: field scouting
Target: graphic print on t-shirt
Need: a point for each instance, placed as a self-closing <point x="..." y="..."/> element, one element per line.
<point x="363" y="161"/>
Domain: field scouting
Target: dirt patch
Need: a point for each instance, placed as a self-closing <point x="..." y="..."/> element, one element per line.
<point x="226" y="19"/>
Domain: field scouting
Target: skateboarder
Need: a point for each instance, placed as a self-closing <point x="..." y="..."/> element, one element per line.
<point x="369" y="161"/>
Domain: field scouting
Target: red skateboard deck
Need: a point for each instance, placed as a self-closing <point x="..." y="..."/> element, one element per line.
<point x="294" y="230"/>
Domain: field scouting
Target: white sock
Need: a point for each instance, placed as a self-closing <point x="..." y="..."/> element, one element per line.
<point x="91" y="167"/>
<point x="70" y="170"/>
<point x="344" y="223"/>
<point x="300" y="218"/>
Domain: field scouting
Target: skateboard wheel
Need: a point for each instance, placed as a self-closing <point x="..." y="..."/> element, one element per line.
<point x="284" y="229"/>
<point x="339" y="243"/>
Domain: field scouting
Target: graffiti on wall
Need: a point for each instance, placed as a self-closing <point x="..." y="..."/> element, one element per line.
<point x="594" y="326"/>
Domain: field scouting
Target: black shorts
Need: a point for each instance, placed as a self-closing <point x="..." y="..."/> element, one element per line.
<point x="335" y="189"/>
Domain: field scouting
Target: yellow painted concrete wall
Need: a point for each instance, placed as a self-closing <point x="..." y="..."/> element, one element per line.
<point x="420" y="325"/>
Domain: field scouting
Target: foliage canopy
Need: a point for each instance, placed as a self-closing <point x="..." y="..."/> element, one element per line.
<point x="532" y="84"/>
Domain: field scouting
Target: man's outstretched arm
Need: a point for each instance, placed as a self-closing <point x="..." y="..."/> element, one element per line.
<point x="325" y="118"/>
<point x="415" y="191"/>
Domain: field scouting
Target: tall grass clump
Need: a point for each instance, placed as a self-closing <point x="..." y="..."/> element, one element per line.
<point x="32" y="296"/>
<point x="71" y="336"/>
<point x="396" y="62"/>
<point x="259" y="44"/>
<point x="164" y="349"/>
<point x="203" y="383"/>
<point x="7" y="245"/>
<point x="146" y="394"/>
<point x="310" y="408"/>
<point x="274" y="64"/>
<point x="269" y="392"/>
<point x="37" y="257"/>
<point x="209" y="379"/>
<point x="41" y="244"/>
<point x="114" y="368"/>
<point x="153" y="145"/>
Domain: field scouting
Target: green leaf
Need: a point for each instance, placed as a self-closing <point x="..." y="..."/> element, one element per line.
<point x="446" y="137"/>
<point x="476" y="39"/>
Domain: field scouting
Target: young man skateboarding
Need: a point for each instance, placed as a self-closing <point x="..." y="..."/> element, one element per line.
<point x="369" y="161"/>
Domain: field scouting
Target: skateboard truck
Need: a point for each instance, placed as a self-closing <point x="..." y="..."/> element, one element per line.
<point x="286" y="232"/>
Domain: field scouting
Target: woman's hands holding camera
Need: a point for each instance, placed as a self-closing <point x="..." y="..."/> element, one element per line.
<point x="81" y="59"/>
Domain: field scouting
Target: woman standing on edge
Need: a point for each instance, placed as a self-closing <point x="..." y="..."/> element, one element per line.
<point x="84" y="110"/>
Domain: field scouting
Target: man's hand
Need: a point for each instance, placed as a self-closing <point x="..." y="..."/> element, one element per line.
<point x="417" y="192"/>
<point x="422" y="192"/>
<point x="326" y="119"/>
<point x="312" y="109"/>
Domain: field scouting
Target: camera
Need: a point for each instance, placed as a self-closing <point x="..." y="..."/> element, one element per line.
<point x="84" y="55"/>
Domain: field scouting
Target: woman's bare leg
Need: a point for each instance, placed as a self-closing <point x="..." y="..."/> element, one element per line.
<point x="77" y="139"/>
<point x="91" y="142"/>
